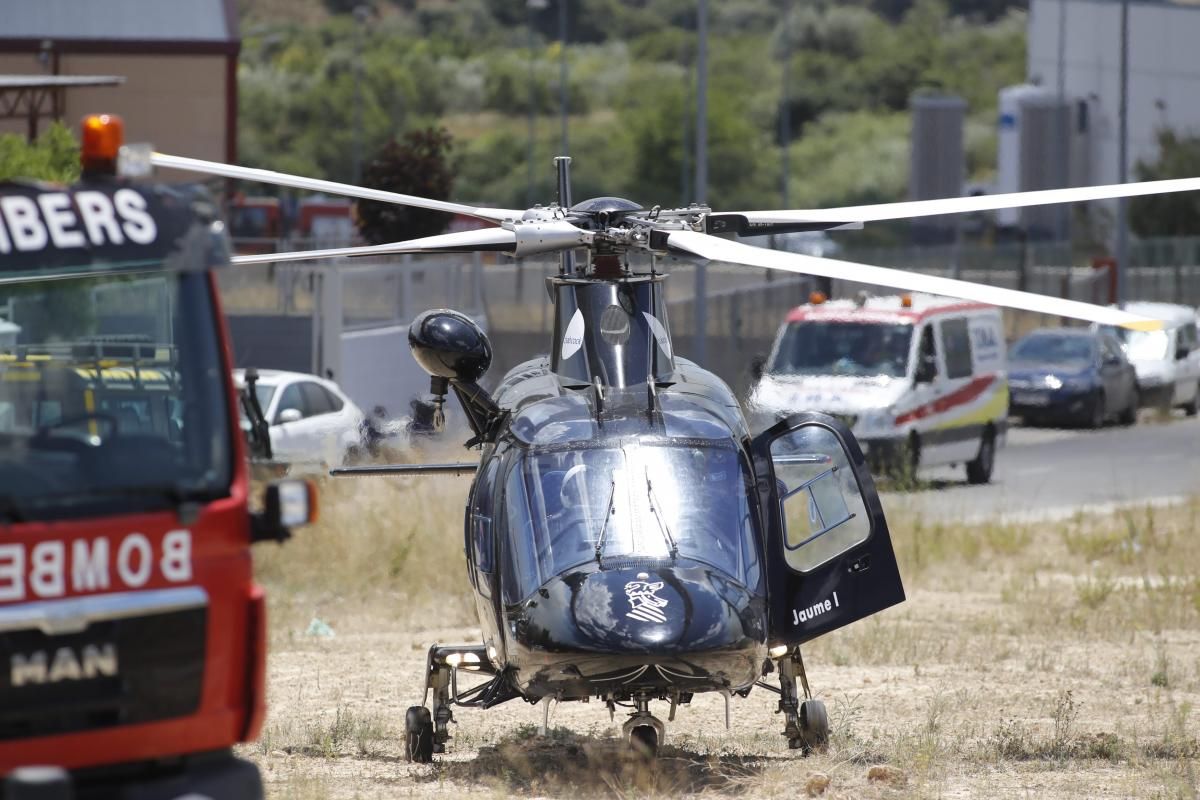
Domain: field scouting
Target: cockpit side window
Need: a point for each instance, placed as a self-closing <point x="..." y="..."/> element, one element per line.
<point x="482" y="543"/>
<point x="522" y="571"/>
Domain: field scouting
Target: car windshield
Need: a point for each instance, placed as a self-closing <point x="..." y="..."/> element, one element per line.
<point x="1141" y="345"/>
<point x="111" y="396"/>
<point x="637" y="501"/>
<point x="812" y="347"/>
<point x="1049" y="348"/>
<point x="1146" y="345"/>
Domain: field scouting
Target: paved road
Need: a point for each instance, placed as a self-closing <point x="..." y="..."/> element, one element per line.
<point x="1046" y="472"/>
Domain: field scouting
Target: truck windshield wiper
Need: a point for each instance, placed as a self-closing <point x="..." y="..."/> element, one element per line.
<point x="662" y="524"/>
<point x="608" y="512"/>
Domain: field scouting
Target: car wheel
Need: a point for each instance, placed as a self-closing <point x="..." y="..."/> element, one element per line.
<point x="1129" y="415"/>
<point x="1096" y="415"/>
<point x="980" y="470"/>
<point x="1193" y="407"/>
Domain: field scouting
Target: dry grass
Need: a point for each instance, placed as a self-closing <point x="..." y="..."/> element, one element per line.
<point x="1040" y="660"/>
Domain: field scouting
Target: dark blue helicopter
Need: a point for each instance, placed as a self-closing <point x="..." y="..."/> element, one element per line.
<point x="627" y="538"/>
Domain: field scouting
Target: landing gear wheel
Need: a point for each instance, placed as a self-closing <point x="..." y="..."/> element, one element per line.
<point x="418" y="730"/>
<point x="980" y="470"/>
<point x="643" y="740"/>
<point x="814" y="727"/>
<point x="1129" y="415"/>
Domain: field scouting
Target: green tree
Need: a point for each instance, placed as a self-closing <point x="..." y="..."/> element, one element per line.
<point x="1175" y="213"/>
<point x="416" y="165"/>
<point x="53" y="157"/>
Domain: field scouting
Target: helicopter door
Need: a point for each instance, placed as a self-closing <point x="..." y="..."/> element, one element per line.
<point x="829" y="556"/>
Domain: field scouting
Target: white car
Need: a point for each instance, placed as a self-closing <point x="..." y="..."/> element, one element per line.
<point x="310" y="418"/>
<point x="1167" y="361"/>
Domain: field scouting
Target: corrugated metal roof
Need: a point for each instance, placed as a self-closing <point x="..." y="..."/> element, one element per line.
<point x="140" y="20"/>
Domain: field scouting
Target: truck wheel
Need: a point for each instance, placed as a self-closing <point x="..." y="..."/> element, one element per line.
<point x="980" y="470"/>
<point x="418" y="729"/>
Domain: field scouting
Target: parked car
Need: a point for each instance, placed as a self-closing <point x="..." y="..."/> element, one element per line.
<point x="310" y="418"/>
<point x="1071" y="376"/>
<point x="1167" y="361"/>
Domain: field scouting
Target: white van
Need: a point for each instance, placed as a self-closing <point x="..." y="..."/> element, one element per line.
<point x="920" y="380"/>
<point x="1167" y="361"/>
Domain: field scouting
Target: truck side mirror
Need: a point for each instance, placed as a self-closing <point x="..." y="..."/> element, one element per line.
<point x="286" y="505"/>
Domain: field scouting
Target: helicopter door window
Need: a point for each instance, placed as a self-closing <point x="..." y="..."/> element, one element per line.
<point x="823" y="510"/>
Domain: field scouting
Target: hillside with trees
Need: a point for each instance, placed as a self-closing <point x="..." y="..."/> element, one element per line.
<point x="478" y="68"/>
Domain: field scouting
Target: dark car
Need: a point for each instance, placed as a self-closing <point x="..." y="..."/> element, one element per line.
<point x="1071" y="377"/>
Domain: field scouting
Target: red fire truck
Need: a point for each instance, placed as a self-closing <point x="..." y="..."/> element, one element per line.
<point x="132" y="633"/>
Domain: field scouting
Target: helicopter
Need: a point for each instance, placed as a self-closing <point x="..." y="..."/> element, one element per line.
<point x="628" y="539"/>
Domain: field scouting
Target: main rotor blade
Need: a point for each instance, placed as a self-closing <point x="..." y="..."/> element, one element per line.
<point x="752" y="222"/>
<point x="485" y="239"/>
<point x="717" y="249"/>
<point x="332" y="187"/>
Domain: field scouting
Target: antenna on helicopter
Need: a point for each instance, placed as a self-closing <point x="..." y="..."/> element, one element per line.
<point x="562" y="168"/>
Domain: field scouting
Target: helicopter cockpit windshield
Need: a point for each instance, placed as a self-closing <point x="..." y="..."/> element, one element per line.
<point x="639" y="501"/>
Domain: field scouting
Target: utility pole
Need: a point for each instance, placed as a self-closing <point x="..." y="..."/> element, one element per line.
<point x="361" y="14"/>
<point x="1065" y="211"/>
<point x="532" y="7"/>
<point x="700" y="308"/>
<point x="785" y="106"/>
<point x="1123" y="160"/>
<point x="562" y="72"/>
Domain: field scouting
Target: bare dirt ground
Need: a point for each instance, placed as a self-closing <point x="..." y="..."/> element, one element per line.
<point x="1055" y="660"/>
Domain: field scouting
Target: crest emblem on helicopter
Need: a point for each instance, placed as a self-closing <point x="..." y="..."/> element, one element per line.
<point x="644" y="604"/>
<point x="573" y="337"/>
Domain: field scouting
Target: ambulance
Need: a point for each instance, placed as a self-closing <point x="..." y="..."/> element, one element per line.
<point x="919" y="379"/>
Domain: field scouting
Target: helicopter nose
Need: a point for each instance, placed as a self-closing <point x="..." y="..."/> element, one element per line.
<point x="676" y="609"/>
